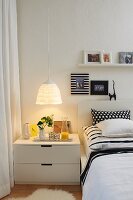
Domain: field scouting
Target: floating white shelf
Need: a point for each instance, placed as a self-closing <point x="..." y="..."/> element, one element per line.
<point x="106" y="65"/>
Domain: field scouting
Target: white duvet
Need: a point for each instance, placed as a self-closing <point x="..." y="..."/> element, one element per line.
<point x="110" y="177"/>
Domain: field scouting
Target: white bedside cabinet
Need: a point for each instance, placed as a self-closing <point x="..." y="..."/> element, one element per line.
<point x="47" y="162"/>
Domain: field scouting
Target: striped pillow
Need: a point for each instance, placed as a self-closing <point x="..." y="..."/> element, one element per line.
<point x="98" y="115"/>
<point x="92" y="132"/>
<point x="98" y="142"/>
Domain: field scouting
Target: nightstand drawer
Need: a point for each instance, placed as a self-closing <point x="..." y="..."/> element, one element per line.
<point x="46" y="154"/>
<point x="47" y="162"/>
<point x="49" y="173"/>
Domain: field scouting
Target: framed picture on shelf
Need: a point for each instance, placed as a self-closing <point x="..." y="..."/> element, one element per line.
<point x="106" y="57"/>
<point x="80" y="83"/>
<point x="91" y="57"/>
<point x="99" y="87"/>
<point x="126" y="57"/>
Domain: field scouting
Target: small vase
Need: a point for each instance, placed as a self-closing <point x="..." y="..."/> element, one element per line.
<point x="26" y="133"/>
<point x="41" y="134"/>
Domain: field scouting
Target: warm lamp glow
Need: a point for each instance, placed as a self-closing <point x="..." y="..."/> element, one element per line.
<point x="48" y="93"/>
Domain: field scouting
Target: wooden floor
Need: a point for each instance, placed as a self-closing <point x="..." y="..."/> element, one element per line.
<point x="25" y="190"/>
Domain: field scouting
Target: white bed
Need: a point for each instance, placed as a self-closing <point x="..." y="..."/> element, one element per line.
<point x="110" y="177"/>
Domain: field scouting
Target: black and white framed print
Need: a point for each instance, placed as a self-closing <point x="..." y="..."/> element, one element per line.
<point x="126" y="57"/>
<point x="80" y="83"/>
<point x="99" y="87"/>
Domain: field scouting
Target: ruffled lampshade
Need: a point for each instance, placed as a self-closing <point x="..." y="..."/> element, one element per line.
<point x="48" y="93"/>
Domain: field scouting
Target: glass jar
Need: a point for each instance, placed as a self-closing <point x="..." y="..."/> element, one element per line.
<point x="41" y="134"/>
<point x="64" y="130"/>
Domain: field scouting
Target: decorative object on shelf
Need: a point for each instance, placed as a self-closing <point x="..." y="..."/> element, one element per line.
<point x="45" y="121"/>
<point x="58" y="125"/>
<point x="106" y="57"/>
<point x="114" y="94"/>
<point x="51" y="136"/>
<point x="56" y="136"/>
<point x="80" y="83"/>
<point x="33" y="130"/>
<point x="92" y="57"/>
<point x="26" y="132"/>
<point x="41" y="134"/>
<point x="64" y="130"/>
<point x="48" y="92"/>
<point x="126" y="57"/>
<point x="99" y="87"/>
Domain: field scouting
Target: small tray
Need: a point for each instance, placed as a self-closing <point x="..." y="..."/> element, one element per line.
<point x="37" y="139"/>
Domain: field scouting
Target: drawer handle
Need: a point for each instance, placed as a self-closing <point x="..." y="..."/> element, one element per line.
<point x="47" y="145"/>
<point x="47" y="164"/>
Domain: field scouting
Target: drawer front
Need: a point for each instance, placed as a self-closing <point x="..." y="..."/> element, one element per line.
<point x="46" y="154"/>
<point x="55" y="173"/>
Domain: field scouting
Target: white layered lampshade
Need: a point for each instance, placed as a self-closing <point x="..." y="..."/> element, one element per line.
<point x="48" y="93"/>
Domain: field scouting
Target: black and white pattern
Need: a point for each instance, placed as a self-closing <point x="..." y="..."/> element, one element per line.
<point x="98" y="116"/>
<point x="98" y="154"/>
<point x="97" y="142"/>
<point x="80" y="83"/>
<point x="92" y="132"/>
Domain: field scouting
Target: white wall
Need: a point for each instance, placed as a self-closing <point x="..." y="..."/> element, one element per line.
<point x="75" y="25"/>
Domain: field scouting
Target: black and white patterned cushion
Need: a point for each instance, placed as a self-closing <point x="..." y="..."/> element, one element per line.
<point x="98" y="116"/>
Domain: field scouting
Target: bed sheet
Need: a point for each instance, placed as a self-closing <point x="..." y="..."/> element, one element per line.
<point x="110" y="177"/>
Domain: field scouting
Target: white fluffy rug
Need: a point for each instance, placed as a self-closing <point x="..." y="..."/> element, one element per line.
<point x="48" y="194"/>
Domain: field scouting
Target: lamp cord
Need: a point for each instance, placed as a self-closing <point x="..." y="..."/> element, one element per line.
<point x="48" y="48"/>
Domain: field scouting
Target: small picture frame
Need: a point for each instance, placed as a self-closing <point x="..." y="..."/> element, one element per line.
<point x="99" y="87"/>
<point x="92" y="57"/>
<point x="80" y="83"/>
<point x="58" y="125"/>
<point x="125" y="57"/>
<point x="33" y="128"/>
<point x="106" y="57"/>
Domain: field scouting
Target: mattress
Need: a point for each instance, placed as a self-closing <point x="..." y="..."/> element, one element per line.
<point x="85" y="152"/>
<point x="85" y="143"/>
<point x="83" y="159"/>
<point x="110" y="177"/>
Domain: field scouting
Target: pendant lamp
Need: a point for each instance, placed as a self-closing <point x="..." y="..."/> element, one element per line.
<point x="48" y="92"/>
